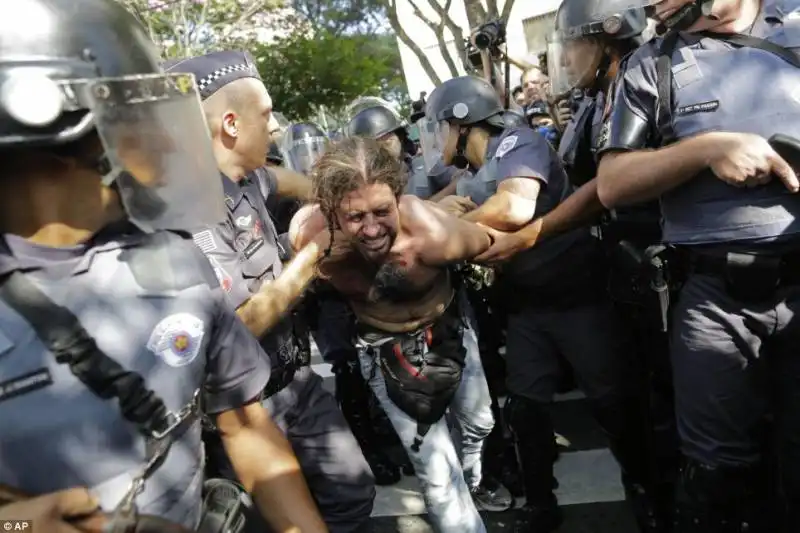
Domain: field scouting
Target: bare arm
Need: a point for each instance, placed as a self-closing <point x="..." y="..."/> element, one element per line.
<point x="275" y="299"/>
<point x="625" y="178"/>
<point x="511" y="207"/>
<point x="268" y="469"/>
<point x="447" y="239"/>
<point x="292" y="184"/>
<point x="579" y="209"/>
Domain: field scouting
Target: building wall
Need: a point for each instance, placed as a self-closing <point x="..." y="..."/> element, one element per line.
<point x="526" y="32"/>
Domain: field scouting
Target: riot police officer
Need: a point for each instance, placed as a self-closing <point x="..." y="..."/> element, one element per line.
<point x="246" y="254"/>
<point x="681" y="130"/>
<point x="519" y="178"/>
<point x="111" y="327"/>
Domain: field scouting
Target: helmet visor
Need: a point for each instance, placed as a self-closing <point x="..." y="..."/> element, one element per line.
<point x="433" y="136"/>
<point x="304" y="152"/>
<point x="157" y="144"/>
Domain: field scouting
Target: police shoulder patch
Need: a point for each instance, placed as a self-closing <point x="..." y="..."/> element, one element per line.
<point x="506" y="146"/>
<point x="177" y="339"/>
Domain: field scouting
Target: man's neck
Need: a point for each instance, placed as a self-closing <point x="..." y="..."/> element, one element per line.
<point x="229" y="164"/>
<point x="56" y="212"/>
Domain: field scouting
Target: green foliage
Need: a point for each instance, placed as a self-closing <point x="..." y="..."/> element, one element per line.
<point x="364" y="17"/>
<point x="305" y="72"/>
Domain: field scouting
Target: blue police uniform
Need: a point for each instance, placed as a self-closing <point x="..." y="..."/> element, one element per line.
<point x="734" y="331"/>
<point x="245" y="252"/>
<point x="558" y="308"/>
<point x="152" y="304"/>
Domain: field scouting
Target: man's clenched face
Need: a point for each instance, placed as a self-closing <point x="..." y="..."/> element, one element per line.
<point x="370" y="218"/>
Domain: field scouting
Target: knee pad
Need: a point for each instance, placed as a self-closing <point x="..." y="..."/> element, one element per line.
<point x="725" y="499"/>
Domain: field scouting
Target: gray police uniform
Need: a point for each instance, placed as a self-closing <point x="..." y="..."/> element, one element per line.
<point x="419" y="184"/>
<point x="557" y="309"/>
<point x="245" y="253"/>
<point x="737" y="239"/>
<point x="156" y="310"/>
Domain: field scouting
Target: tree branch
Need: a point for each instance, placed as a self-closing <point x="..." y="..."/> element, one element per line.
<point x="391" y="13"/>
<point x="455" y="29"/>
<point x="507" y="7"/>
<point x="476" y="14"/>
<point x="438" y="31"/>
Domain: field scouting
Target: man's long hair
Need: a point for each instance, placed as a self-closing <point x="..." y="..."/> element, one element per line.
<point x="348" y="165"/>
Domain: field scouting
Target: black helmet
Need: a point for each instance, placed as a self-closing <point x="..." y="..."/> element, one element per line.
<point x="537" y="109"/>
<point x="465" y="100"/>
<point x="513" y="118"/>
<point x="47" y="42"/>
<point x="303" y="144"/>
<point x="614" y="19"/>
<point x="375" y="122"/>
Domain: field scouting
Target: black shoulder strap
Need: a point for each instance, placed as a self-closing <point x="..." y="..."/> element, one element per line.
<point x="664" y="88"/>
<point x="63" y="334"/>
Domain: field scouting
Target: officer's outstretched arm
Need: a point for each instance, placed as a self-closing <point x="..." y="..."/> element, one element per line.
<point x="511" y="207"/>
<point x="443" y="238"/>
<point x="292" y="184"/>
<point x="266" y="308"/>
<point x="267" y="467"/>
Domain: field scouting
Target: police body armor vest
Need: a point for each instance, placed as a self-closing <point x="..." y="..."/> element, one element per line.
<point x="577" y="143"/>
<point x="705" y="209"/>
<point x="538" y="266"/>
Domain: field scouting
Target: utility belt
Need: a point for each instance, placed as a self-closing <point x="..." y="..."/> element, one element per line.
<point x="422" y="370"/>
<point x="748" y="277"/>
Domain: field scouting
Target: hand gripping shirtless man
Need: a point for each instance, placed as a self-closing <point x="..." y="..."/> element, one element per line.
<point x="391" y="257"/>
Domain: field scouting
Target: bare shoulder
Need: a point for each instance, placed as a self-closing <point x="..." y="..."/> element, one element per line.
<point x="306" y="224"/>
<point x="415" y="212"/>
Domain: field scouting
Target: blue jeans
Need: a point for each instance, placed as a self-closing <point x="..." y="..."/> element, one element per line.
<point x="446" y="478"/>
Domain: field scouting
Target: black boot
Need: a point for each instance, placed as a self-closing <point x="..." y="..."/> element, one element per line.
<point x="353" y="395"/>
<point x="536" y="449"/>
<point x="624" y="423"/>
<point x="725" y="500"/>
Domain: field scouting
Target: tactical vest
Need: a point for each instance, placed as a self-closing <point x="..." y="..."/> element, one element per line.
<point x="720" y="87"/>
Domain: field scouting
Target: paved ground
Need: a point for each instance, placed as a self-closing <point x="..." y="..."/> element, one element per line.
<point x="589" y="487"/>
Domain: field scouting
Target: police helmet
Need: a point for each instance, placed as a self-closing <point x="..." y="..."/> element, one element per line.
<point x="72" y="68"/>
<point x="375" y="122"/>
<point x="621" y="21"/>
<point x="462" y="101"/>
<point x="303" y="144"/>
<point x="513" y="118"/>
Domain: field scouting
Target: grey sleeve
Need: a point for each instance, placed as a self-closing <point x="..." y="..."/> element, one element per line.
<point x="441" y="177"/>
<point x="267" y="182"/>
<point x="529" y="157"/>
<point x="631" y="123"/>
<point x="237" y="367"/>
<point x="217" y="243"/>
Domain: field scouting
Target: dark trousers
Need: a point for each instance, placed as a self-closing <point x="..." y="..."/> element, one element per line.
<point x="334" y="468"/>
<point x="737" y="375"/>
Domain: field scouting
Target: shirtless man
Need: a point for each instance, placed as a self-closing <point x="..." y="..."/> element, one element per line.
<point x="390" y="258"/>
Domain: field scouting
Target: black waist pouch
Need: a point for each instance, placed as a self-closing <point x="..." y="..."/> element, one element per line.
<point x="423" y="370"/>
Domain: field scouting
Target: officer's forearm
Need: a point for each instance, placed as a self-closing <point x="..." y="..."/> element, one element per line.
<point x="581" y="208"/>
<point x="266" y="308"/>
<point x="503" y="211"/>
<point x="627" y="178"/>
<point x="292" y="184"/>
<point x="268" y="469"/>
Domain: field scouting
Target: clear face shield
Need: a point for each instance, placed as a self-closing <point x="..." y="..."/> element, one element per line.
<point x="302" y="153"/>
<point x="573" y="56"/>
<point x="158" y="148"/>
<point x="433" y="136"/>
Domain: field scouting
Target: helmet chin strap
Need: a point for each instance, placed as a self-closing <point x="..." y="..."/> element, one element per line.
<point x="460" y="160"/>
